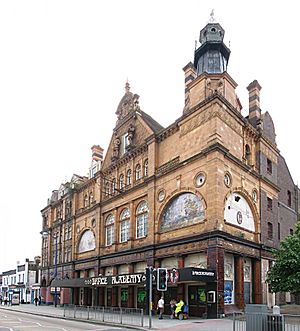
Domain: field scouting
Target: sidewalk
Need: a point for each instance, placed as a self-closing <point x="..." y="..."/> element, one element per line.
<point x="165" y="324"/>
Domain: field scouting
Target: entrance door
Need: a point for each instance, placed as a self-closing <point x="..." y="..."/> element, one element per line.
<point x="247" y="292"/>
<point x="108" y="297"/>
<point x="197" y="300"/>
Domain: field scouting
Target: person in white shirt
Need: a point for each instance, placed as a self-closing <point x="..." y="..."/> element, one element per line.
<point x="160" y="306"/>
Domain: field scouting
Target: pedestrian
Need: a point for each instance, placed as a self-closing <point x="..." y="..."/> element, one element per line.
<point x="160" y="306"/>
<point x="179" y="307"/>
<point x="40" y="300"/>
<point x="36" y="300"/>
<point x="173" y="307"/>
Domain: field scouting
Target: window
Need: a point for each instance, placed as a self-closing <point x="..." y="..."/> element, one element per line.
<point x="278" y="231"/>
<point x="124" y="225"/>
<point x="269" y="204"/>
<point x="86" y="200"/>
<point x="113" y="186"/>
<point x="269" y="166"/>
<point x="129" y="177"/>
<point x="289" y="194"/>
<point x="142" y="219"/>
<point x="109" y="229"/>
<point x="91" y="198"/>
<point x="138" y="172"/>
<point x="146" y="168"/>
<point x="270" y="230"/>
<point x="124" y="143"/>
<point x="247" y="154"/>
<point x="107" y="188"/>
<point x="121" y="182"/>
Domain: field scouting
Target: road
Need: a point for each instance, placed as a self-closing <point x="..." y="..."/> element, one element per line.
<point x="16" y="321"/>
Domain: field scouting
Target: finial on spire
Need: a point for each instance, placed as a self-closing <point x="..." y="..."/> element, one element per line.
<point x="127" y="86"/>
<point x="212" y="16"/>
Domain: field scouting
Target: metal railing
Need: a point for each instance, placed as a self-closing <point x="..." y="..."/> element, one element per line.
<point x="265" y="322"/>
<point x="114" y="315"/>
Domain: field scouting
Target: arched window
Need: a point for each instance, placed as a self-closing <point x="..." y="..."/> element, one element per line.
<point x="247" y="153"/>
<point x="146" y="168"/>
<point x="109" y="230"/>
<point x="129" y="177"/>
<point x="124" y="225"/>
<point x="142" y="212"/>
<point x="121" y="182"/>
<point x="183" y="210"/>
<point x="87" y="242"/>
<point x="113" y="186"/>
<point x="91" y="198"/>
<point x="138" y="172"/>
<point x="107" y="188"/>
<point x="86" y="200"/>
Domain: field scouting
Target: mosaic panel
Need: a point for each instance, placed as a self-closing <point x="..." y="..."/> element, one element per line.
<point x="185" y="209"/>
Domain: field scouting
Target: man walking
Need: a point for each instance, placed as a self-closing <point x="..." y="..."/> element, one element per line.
<point x="160" y="306"/>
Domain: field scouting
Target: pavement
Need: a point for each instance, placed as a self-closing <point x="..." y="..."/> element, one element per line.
<point x="166" y="324"/>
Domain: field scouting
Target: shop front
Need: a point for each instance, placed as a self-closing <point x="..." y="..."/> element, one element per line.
<point x="197" y="287"/>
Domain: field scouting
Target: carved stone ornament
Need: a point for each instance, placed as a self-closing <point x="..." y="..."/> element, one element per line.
<point x="116" y="148"/>
<point x="129" y="103"/>
<point x="131" y="133"/>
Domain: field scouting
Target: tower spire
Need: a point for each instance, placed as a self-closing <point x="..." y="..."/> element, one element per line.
<point x="127" y="86"/>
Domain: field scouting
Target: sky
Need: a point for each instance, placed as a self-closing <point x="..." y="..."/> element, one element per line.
<point x="63" y="69"/>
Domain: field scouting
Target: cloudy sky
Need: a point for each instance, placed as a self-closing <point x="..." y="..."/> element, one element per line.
<point x="63" y="68"/>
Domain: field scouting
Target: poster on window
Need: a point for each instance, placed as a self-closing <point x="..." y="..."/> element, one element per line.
<point x="228" y="295"/>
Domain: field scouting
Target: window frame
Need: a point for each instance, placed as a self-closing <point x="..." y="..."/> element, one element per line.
<point x="138" y="172"/>
<point x="124" y="225"/>
<point x="109" y="230"/>
<point x="142" y="218"/>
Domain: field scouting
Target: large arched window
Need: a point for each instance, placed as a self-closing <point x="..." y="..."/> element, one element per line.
<point x="142" y="212"/>
<point x="87" y="242"/>
<point x="138" y="172"/>
<point x="124" y="225"/>
<point x="185" y="209"/>
<point x="129" y="177"/>
<point x="109" y="230"/>
<point x="238" y="212"/>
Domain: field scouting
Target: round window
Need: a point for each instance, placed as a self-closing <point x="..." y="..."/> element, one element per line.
<point x="227" y="179"/>
<point x="200" y="179"/>
<point x="161" y="195"/>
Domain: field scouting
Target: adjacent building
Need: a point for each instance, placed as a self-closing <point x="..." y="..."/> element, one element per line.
<point x="23" y="282"/>
<point x="208" y="198"/>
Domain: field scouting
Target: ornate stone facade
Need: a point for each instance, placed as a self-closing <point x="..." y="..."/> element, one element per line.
<point x="200" y="188"/>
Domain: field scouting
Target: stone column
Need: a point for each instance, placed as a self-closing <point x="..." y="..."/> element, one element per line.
<point x="239" y="284"/>
<point x="215" y="261"/>
<point x="257" y="286"/>
<point x="130" y="303"/>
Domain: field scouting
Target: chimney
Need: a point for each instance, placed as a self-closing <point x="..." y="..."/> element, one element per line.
<point x="97" y="153"/>
<point x="254" y="102"/>
<point x="189" y="75"/>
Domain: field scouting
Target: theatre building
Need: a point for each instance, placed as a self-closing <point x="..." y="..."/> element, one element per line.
<point x="208" y="197"/>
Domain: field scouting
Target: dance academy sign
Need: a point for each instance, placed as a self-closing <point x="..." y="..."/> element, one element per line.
<point x="130" y="279"/>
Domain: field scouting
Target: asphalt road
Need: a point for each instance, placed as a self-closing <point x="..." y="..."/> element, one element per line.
<point x="16" y="321"/>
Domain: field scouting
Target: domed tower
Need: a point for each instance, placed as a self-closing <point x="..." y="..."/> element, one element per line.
<point x="213" y="55"/>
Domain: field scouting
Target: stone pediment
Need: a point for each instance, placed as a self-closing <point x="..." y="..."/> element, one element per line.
<point x="129" y="103"/>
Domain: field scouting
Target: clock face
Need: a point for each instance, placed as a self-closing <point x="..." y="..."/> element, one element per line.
<point x="238" y="212"/>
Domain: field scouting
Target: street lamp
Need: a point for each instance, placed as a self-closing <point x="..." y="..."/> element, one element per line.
<point x="45" y="235"/>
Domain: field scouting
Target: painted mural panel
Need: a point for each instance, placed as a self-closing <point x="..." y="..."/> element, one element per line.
<point x="185" y="209"/>
<point x="87" y="242"/>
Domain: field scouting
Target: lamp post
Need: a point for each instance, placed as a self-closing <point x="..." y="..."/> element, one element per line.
<point x="45" y="235"/>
